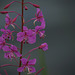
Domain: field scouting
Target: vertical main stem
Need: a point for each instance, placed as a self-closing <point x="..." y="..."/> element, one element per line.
<point x="22" y="41"/>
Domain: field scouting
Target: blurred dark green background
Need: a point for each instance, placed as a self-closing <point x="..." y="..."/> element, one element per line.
<point x="60" y="35"/>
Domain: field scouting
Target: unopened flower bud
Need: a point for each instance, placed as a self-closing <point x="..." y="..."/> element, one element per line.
<point x="14" y="19"/>
<point x="44" y="46"/>
<point x="35" y="5"/>
<point x="26" y="8"/>
<point x="4" y="12"/>
<point x="7" y="6"/>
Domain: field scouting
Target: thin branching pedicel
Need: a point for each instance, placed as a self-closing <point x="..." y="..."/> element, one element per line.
<point x="24" y="36"/>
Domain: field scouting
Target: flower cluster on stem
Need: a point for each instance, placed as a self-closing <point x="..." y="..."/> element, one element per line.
<point x="25" y="35"/>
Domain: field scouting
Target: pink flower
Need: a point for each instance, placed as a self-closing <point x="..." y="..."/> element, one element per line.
<point x="41" y="33"/>
<point x="44" y="46"/>
<point x="6" y="34"/>
<point x="27" y="64"/>
<point x="9" y="21"/>
<point x="10" y="51"/>
<point x="40" y="18"/>
<point x="27" y="35"/>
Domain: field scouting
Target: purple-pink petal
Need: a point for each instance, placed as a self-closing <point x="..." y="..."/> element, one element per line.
<point x="31" y="37"/>
<point x="7" y="19"/>
<point x="6" y="26"/>
<point x="1" y="47"/>
<point x="24" y="61"/>
<point x="25" y="28"/>
<point x="13" y="48"/>
<point x="37" y="28"/>
<point x="6" y="48"/>
<point x="43" y="24"/>
<point x="31" y="40"/>
<point x="18" y="54"/>
<point x="20" y="69"/>
<point x="2" y="42"/>
<point x="9" y="55"/>
<point x="2" y="30"/>
<point x="39" y="12"/>
<point x="44" y="46"/>
<point x="20" y="36"/>
<point x="32" y="62"/>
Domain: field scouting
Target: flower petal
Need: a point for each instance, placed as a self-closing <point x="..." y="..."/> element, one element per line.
<point x="18" y="54"/>
<point x="20" y="69"/>
<point x="32" y="62"/>
<point x="6" y="48"/>
<point x="25" y="28"/>
<point x="24" y="61"/>
<point x="7" y="19"/>
<point x="14" y="48"/>
<point x="44" y="46"/>
<point x="20" y="36"/>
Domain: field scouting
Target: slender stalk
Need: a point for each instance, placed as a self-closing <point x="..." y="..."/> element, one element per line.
<point x="22" y="31"/>
<point x="29" y="20"/>
<point x="30" y="51"/>
<point x="14" y="12"/>
<point x="17" y="26"/>
<point x="5" y="72"/>
<point x="8" y="65"/>
<point x="16" y="60"/>
<point x="39" y="71"/>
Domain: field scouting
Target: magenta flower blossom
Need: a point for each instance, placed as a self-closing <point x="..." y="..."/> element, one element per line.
<point x="27" y="64"/>
<point x="9" y="21"/>
<point x="41" y="33"/>
<point x="39" y="15"/>
<point x="44" y="46"/>
<point x="9" y="55"/>
<point x="10" y="51"/>
<point x="39" y="18"/>
<point x="6" y="34"/>
<point x="27" y="35"/>
<point x="2" y="42"/>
